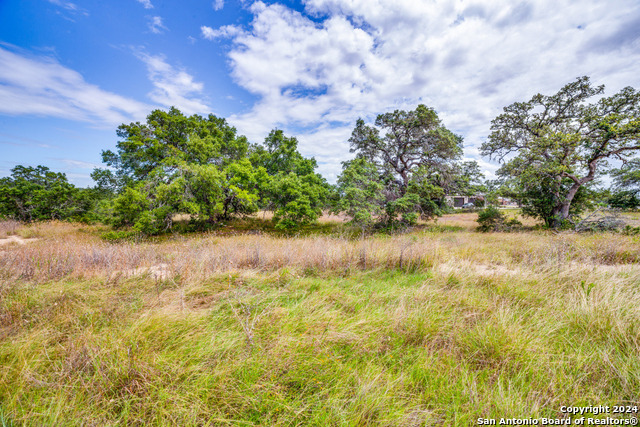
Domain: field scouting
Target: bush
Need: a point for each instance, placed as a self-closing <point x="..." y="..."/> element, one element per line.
<point x="624" y="200"/>
<point x="38" y="194"/>
<point x="491" y="219"/>
<point x="605" y="223"/>
<point x="120" y="236"/>
<point x="631" y="231"/>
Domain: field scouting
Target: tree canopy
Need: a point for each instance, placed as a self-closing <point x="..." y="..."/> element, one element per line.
<point x="627" y="177"/>
<point x="178" y="164"/>
<point x="626" y="185"/>
<point x="402" y="165"/>
<point x="552" y="150"/>
<point x="37" y="193"/>
<point x="199" y="166"/>
<point x="552" y="147"/>
<point x="293" y="190"/>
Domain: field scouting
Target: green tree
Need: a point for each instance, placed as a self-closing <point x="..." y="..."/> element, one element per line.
<point x="466" y="180"/>
<point x="279" y="154"/>
<point x="537" y="197"/>
<point x="553" y="146"/>
<point x="627" y="177"/>
<point x="35" y="194"/>
<point x="167" y="139"/>
<point x="626" y="186"/>
<point x="414" y="158"/>
<point x="624" y="200"/>
<point x="290" y="187"/>
<point x="298" y="200"/>
<point x="176" y="164"/>
<point x="360" y="192"/>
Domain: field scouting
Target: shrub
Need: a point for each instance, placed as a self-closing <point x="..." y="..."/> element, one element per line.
<point x="120" y="236"/>
<point x="491" y="219"/>
<point x="624" y="200"/>
<point x="605" y="223"/>
<point x="631" y="231"/>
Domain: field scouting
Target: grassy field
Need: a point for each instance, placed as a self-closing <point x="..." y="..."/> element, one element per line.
<point x="440" y="326"/>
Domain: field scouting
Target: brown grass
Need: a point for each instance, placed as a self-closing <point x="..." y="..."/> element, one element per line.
<point x="65" y="250"/>
<point x="436" y="327"/>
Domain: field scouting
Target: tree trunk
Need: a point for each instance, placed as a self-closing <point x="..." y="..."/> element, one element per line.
<point x="561" y="211"/>
<point x="555" y="221"/>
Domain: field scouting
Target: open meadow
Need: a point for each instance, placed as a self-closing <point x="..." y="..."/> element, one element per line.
<point x="439" y="326"/>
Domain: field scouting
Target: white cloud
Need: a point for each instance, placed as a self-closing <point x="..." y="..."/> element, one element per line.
<point x="173" y="87"/>
<point x="71" y="7"/>
<point x="146" y="3"/>
<point x="156" y="26"/>
<point x="218" y="4"/>
<point x="358" y="58"/>
<point x="225" y="31"/>
<point x="41" y="86"/>
<point x="69" y="10"/>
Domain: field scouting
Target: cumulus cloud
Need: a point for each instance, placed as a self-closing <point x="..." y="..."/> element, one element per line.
<point x="218" y="4"/>
<point x="173" y="87"/>
<point x="315" y="72"/>
<point x="156" y="26"/>
<point x="42" y="86"/>
<point x="146" y="3"/>
<point x="225" y="31"/>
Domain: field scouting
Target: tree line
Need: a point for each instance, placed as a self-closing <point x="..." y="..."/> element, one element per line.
<point x="552" y="151"/>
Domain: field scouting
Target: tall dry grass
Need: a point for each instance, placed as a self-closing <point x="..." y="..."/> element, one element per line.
<point x="8" y="228"/>
<point x="64" y="251"/>
<point x="430" y="328"/>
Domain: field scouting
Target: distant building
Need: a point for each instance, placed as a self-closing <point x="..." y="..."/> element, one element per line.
<point x="456" y="201"/>
<point x="459" y="201"/>
<point x="503" y="202"/>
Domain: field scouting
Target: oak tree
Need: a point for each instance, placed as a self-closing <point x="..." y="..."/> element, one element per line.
<point x="177" y="164"/>
<point x="553" y="146"/>
<point x="292" y="189"/>
<point x="411" y="152"/>
<point x="37" y="193"/>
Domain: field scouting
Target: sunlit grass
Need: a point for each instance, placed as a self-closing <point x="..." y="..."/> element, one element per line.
<point x="438" y="327"/>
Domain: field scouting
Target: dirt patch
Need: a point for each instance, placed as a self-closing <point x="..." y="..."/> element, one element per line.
<point x="604" y="268"/>
<point x="479" y="269"/>
<point x="156" y="272"/>
<point x="16" y="239"/>
<point x="205" y="302"/>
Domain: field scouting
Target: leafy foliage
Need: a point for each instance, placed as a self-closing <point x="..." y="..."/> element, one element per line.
<point x="491" y="219"/>
<point x="552" y="146"/>
<point x="169" y="138"/>
<point x="35" y="194"/>
<point x="361" y="192"/>
<point x="174" y="164"/>
<point x="290" y="187"/>
<point x="628" y="176"/>
<point x="177" y="164"/>
<point x="624" y="200"/>
<point x="537" y="197"/>
<point x="298" y="200"/>
<point x="401" y="175"/>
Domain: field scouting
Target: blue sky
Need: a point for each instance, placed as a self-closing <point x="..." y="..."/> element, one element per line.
<point x="72" y="71"/>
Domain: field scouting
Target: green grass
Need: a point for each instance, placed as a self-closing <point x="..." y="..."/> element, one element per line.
<point x="376" y="348"/>
<point x="486" y="326"/>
